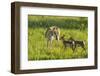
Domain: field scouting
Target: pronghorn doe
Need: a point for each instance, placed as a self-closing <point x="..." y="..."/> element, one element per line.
<point x="52" y="33"/>
<point x="67" y="43"/>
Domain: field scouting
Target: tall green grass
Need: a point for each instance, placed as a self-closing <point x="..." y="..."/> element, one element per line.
<point x="70" y="26"/>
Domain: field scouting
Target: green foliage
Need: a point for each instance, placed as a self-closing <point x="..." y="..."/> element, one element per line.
<point x="70" y="26"/>
<point x="62" y="22"/>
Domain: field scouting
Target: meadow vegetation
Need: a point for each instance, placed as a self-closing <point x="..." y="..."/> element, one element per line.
<point x="70" y="26"/>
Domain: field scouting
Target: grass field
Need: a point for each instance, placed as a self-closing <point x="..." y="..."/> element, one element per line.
<point x="70" y="26"/>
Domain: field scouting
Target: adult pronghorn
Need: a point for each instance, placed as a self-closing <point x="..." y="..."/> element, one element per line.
<point x="52" y="33"/>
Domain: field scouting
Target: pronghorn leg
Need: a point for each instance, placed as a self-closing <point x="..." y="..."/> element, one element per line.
<point x="83" y="47"/>
<point x="65" y="46"/>
<point x="72" y="47"/>
<point x="47" y="43"/>
<point x="57" y="41"/>
<point x="50" y="43"/>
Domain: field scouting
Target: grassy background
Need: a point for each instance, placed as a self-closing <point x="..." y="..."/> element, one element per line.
<point x="70" y="26"/>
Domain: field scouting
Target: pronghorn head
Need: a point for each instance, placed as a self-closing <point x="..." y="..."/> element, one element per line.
<point x="56" y="31"/>
<point x="71" y="38"/>
<point x="53" y="31"/>
<point x="62" y="37"/>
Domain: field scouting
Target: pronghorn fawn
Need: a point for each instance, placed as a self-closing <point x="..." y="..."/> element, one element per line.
<point x="52" y="33"/>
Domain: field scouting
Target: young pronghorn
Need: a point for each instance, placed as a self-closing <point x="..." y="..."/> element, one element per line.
<point x="67" y="43"/>
<point x="52" y="33"/>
